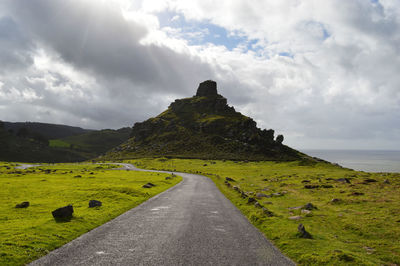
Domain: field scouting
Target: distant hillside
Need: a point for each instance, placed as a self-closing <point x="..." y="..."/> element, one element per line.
<point x="203" y="126"/>
<point x="30" y="142"/>
<point x="27" y="149"/>
<point x="95" y="143"/>
<point x="50" y="131"/>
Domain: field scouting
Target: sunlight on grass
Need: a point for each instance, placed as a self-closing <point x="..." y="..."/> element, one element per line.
<point x="361" y="227"/>
<point x="29" y="233"/>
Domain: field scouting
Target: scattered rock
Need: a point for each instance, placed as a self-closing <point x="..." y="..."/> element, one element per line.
<point x="296" y="218"/>
<point x="386" y="181"/>
<point x="229" y="179"/>
<point x="227" y="183"/>
<point x="309" y="206"/>
<point x="262" y="195"/>
<point x="343" y="180"/>
<point x="91" y="173"/>
<point x="267" y="212"/>
<point x="78" y="176"/>
<point x="302" y="232"/>
<point x="148" y="185"/>
<point x="251" y="200"/>
<point x="305" y="211"/>
<point x="326" y="186"/>
<point x="24" y="204"/>
<point x="369" y="180"/>
<point x="356" y="194"/>
<point x="265" y="189"/>
<point x="243" y="195"/>
<point x="277" y="194"/>
<point x="336" y="201"/>
<point x="311" y="186"/>
<point x="63" y="213"/>
<point x="94" y="203"/>
<point x="295" y="208"/>
<point x="168" y="178"/>
<point x="205" y="164"/>
<point x="236" y="188"/>
<point x="257" y="205"/>
<point x="305" y="181"/>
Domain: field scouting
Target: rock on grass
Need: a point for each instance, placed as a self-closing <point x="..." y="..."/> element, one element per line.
<point x="24" y="204"/>
<point x="302" y="232"/>
<point x="63" y="213"/>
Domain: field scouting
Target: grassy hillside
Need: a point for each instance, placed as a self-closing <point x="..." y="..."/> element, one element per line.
<point x="50" y="131"/>
<point x="27" y="234"/>
<point x="360" y="227"/>
<point x="95" y="143"/>
<point x="13" y="148"/>
<point x="30" y="146"/>
<point x="203" y="127"/>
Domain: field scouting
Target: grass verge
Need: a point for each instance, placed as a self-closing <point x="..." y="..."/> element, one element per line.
<point x="29" y="233"/>
<point x="360" y="227"/>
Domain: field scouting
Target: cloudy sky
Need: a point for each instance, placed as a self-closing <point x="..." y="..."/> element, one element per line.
<point x="325" y="74"/>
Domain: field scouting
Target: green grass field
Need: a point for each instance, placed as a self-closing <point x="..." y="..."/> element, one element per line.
<point x="27" y="234"/>
<point x="361" y="228"/>
<point x="58" y="143"/>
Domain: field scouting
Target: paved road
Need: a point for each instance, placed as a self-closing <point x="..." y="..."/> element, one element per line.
<point x="192" y="223"/>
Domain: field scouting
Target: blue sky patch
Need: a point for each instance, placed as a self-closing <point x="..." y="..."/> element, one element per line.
<point x="200" y="32"/>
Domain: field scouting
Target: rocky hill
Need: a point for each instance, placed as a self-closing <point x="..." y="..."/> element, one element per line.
<point x="203" y="126"/>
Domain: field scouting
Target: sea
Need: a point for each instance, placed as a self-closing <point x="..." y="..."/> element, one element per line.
<point x="361" y="160"/>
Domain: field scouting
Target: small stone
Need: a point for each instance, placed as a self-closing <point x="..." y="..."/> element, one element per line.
<point x="267" y="212"/>
<point x="94" y="203"/>
<point x="262" y="195"/>
<point x="296" y="218"/>
<point x="229" y="179"/>
<point x="265" y="189"/>
<point x="305" y="181"/>
<point x="257" y="205"/>
<point x="167" y="178"/>
<point x="235" y="188"/>
<point x="148" y="185"/>
<point x="24" y="204"/>
<point x="63" y="213"/>
<point x="295" y="208"/>
<point x="311" y="186"/>
<point x="277" y="194"/>
<point x="305" y="211"/>
<point x="243" y="195"/>
<point x="336" y="200"/>
<point x="343" y="180"/>
<point x="386" y="181"/>
<point x="369" y="180"/>
<point x="251" y="200"/>
<point x="356" y="194"/>
<point x="77" y="176"/>
<point x="302" y="232"/>
<point x="309" y="206"/>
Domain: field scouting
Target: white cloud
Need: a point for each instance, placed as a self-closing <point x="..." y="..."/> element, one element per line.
<point x="323" y="73"/>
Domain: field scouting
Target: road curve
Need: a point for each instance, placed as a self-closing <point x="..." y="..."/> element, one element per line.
<point x="192" y="223"/>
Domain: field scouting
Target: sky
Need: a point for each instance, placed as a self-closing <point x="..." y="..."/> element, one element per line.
<point x="325" y="74"/>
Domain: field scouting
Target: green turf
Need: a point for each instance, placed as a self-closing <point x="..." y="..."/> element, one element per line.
<point x="27" y="234"/>
<point x="59" y="143"/>
<point x="359" y="230"/>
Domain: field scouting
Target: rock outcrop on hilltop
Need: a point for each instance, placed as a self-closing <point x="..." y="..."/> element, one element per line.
<point x="203" y="126"/>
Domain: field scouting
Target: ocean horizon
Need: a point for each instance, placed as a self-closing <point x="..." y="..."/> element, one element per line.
<point x="360" y="160"/>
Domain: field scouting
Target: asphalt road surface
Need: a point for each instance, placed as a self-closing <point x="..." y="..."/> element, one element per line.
<point x="192" y="223"/>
